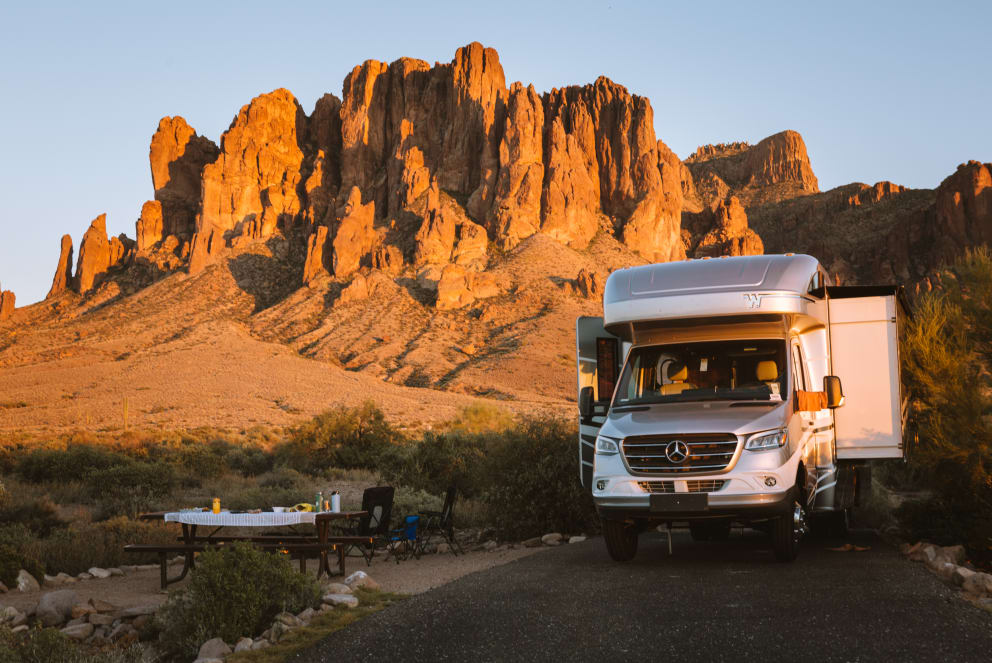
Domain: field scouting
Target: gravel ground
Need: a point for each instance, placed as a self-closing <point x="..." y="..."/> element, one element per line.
<point x="726" y="601"/>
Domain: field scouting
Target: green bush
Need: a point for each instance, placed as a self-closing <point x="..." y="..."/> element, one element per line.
<point x="84" y="545"/>
<point x="235" y="592"/>
<point x="38" y="515"/>
<point x="437" y="461"/>
<point x="130" y="488"/>
<point x="947" y="360"/>
<point x="535" y="489"/>
<point x="49" y="645"/>
<point x="44" y="464"/>
<point x="12" y="560"/>
<point x="351" y="438"/>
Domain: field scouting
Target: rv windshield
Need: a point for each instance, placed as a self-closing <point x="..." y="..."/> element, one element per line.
<point x="713" y="370"/>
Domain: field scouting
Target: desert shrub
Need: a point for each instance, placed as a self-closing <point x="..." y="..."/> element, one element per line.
<point x="45" y="464"/>
<point x="84" y="545"/>
<point x="343" y="437"/>
<point x="236" y="591"/>
<point x="13" y="559"/>
<point x="535" y="487"/>
<point x="947" y="359"/>
<point x="249" y="461"/>
<point x="480" y="418"/>
<point x="49" y="645"/>
<point x="439" y="460"/>
<point x="130" y="488"/>
<point x="38" y="515"/>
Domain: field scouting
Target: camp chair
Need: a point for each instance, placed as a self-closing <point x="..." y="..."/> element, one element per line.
<point x="441" y="523"/>
<point x="405" y="541"/>
<point x="377" y="502"/>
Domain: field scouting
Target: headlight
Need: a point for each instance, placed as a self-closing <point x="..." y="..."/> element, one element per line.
<point x="606" y="446"/>
<point x="768" y="440"/>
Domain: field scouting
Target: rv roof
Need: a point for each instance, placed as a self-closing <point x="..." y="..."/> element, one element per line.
<point x="696" y="288"/>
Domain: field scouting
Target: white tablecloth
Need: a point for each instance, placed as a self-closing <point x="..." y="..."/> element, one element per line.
<point x="227" y="519"/>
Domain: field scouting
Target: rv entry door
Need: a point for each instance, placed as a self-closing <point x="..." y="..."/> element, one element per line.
<point x="598" y="358"/>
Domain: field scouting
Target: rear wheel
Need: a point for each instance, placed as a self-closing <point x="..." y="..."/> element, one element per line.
<point x="621" y="540"/>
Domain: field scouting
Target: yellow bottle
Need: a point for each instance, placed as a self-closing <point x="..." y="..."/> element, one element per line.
<point x="216" y="505"/>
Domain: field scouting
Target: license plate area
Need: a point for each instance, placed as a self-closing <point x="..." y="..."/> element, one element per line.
<point x="674" y="502"/>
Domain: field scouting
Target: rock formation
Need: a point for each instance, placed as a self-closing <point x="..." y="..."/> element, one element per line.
<point x="148" y="229"/>
<point x="729" y="234"/>
<point x="355" y="236"/>
<point x="964" y="205"/>
<point x="94" y="256"/>
<point x="459" y="287"/>
<point x="177" y="157"/>
<point x="516" y="210"/>
<point x="256" y="181"/>
<point x="7" y="304"/>
<point x="63" y="273"/>
<point x="318" y="262"/>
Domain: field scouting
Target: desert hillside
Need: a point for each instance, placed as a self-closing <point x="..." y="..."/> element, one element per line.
<point x="426" y="241"/>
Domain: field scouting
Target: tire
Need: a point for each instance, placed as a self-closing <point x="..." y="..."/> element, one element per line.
<point x="621" y="540"/>
<point x="786" y="531"/>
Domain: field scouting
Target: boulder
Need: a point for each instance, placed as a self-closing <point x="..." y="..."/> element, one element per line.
<point x="337" y="588"/>
<point x="979" y="584"/>
<point x="576" y="539"/>
<point x="81" y="610"/>
<point x="97" y="572"/>
<point x="960" y="575"/>
<point x="55" y="608"/>
<point x="261" y="643"/>
<point x="214" y="648"/>
<point x="78" y="632"/>
<point x="98" y="619"/>
<point x="63" y="273"/>
<point x="244" y="644"/>
<point x="102" y="606"/>
<point x="361" y="579"/>
<point x="347" y="600"/>
<point x="552" y="539"/>
<point x="26" y="582"/>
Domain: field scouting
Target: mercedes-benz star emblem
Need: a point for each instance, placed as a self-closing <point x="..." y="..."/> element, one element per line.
<point x="677" y="451"/>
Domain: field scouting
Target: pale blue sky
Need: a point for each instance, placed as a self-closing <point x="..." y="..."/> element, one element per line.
<point x="880" y="90"/>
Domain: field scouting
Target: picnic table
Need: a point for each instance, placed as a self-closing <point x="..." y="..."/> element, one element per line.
<point x="302" y="545"/>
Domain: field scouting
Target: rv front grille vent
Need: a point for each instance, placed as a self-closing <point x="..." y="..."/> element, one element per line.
<point x="698" y="486"/>
<point x="679" y="454"/>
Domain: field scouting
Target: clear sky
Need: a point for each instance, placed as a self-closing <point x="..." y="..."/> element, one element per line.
<point x="897" y="91"/>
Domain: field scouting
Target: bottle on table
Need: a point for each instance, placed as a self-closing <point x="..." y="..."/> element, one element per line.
<point x="335" y="502"/>
<point x="216" y="508"/>
<point x="319" y="502"/>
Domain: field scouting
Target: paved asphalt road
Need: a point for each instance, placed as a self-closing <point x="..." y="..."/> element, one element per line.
<point x="726" y="601"/>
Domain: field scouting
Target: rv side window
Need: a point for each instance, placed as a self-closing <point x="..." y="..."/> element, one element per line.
<point x="798" y="374"/>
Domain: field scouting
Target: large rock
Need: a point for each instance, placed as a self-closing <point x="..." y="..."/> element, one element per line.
<point x="8" y="302"/>
<point x="78" y="632"/>
<point x="729" y="234"/>
<point x="361" y="579"/>
<point x="322" y="184"/>
<point x="148" y="227"/>
<point x="177" y="156"/>
<point x="63" y="273"/>
<point x="26" y="582"/>
<point x="355" y="236"/>
<point x="459" y="287"/>
<point x="255" y="183"/>
<point x="215" y="648"/>
<point x="964" y="208"/>
<point x="55" y="608"/>
<point x="436" y="237"/>
<point x="318" y="261"/>
<point x="94" y="256"/>
<point x="780" y="158"/>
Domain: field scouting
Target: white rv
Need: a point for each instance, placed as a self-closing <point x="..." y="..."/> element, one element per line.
<point x="735" y="390"/>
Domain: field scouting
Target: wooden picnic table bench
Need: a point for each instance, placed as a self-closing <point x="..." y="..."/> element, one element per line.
<point x="297" y="545"/>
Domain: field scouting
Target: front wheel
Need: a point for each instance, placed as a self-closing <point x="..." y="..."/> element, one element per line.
<point x="787" y="531"/>
<point x="621" y="540"/>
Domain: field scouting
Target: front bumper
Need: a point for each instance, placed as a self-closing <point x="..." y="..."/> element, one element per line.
<point x="739" y="507"/>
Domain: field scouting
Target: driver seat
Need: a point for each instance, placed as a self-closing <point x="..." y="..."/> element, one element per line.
<point x="678" y="384"/>
<point x="767" y="372"/>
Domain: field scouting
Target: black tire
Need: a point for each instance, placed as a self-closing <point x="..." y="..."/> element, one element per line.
<point x="787" y="531"/>
<point x="621" y="540"/>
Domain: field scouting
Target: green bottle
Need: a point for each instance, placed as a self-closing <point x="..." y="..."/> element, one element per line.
<point x="319" y="503"/>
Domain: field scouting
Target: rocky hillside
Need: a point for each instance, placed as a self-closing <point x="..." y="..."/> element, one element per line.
<point x="436" y="227"/>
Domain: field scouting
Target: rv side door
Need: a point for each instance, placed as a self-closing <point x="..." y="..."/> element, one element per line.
<point x="598" y="356"/>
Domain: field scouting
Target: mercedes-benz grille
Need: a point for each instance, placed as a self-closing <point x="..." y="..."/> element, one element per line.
<point x="679" y="454"/>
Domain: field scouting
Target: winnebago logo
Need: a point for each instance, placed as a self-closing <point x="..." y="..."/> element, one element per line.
<point x="752" y="300"/>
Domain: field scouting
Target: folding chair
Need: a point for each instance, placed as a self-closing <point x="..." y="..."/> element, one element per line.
<point x="405" y="541"/>
<point x="441" y="523"/>
<point x="378" y="503"/>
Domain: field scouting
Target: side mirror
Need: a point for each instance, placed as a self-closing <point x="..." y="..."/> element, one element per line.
<point x="585" y="402"/>
<point x="835" y="393"/>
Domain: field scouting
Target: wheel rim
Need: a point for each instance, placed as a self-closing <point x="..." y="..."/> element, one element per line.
<point x="799" y="526"/>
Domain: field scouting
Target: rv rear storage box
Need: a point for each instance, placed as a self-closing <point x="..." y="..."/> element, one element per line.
<point x="864" y="343"/>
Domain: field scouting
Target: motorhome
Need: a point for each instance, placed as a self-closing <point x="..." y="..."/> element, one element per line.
<point x="739" y="390"/>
